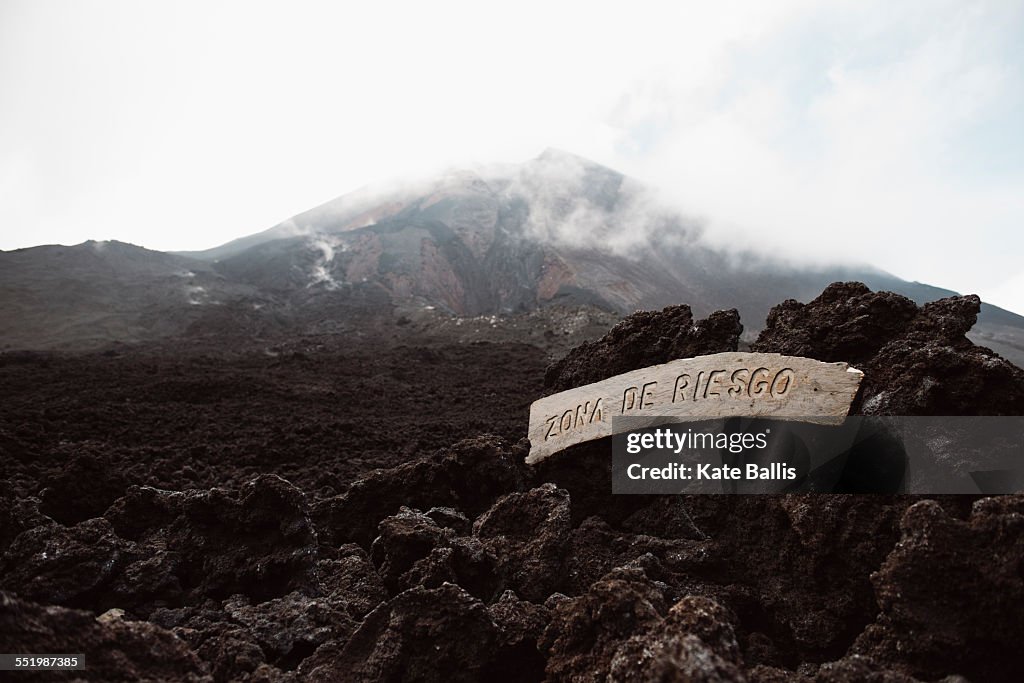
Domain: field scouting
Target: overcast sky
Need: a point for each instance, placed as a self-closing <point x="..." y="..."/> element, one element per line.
<point x="886" y="132"/>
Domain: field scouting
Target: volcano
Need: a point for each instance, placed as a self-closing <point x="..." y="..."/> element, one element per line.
<point x="557" y="230"/>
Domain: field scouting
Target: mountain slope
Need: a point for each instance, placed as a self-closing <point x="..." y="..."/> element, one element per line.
<point x="97" y="292"/>
<point x="556" y="230"/>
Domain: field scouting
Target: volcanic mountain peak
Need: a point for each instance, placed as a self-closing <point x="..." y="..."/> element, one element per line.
<point x="557" y="229"/>
<point x="550" y="190"/>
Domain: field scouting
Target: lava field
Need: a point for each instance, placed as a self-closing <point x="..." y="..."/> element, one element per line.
<point x="330" y="510"/>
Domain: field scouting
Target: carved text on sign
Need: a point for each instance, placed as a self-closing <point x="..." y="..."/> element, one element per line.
<point x="719" y="385"/>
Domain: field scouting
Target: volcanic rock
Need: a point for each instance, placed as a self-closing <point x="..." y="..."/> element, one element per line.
<point x="642" y="339"/>
<point x="916" y="361"/>
<point x="527" y="534"/>
<point x="404" y="539"/>
<point x="585" y="632"/>
<point x="439" y="634"/>
<point x="289" y="629"/>
<point x="258" y="541"/>
<point x="17" y="515"/>
<point x="467" y="476"/>
<point x="83" y="489"/>
<point x="950" y="593"/>
<point x="596" y="548"/>
<point x="671" y="658"/>
<point x="114" y="649"/>
<point x="450" y="518"/>
<point x="520" y="626"/>
<point x="69" y="566"/>
<point x="857" y="668"/>
<point x="349" y="579"/>
<point x="412" y="550"/>
<point x="846" y="322"/>
<point x="231" y="650"/>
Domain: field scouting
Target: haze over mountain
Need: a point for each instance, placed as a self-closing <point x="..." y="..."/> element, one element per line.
<point x="557" y="230"/>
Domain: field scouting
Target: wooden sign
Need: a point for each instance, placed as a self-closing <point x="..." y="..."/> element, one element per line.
<point x="719" y="385"/>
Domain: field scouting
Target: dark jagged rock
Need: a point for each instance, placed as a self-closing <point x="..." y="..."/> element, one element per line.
<point x="851" y="669"/>
<point x="349" y="579"/>
<point x="440" y="634"/>
<point x="17" y="515"/>
<point x="83" y="489"/>
<point x="671" y="658"/>
<point x="289" y="629"/>
<point x="695" y="642"/>
<point x="596" y="549"/>
<point x="465" y="561"/>
<point x="704" y="618"/>
<point x="173" y="549"/>
<point x="70" y="566"/>
<point x="527" y="534"/>
<point x="145" y="510"/>
<point x="950" y="593"/>
<point x="795" y="567"/>
<point x="916" y="361"/>
<point x="666" y="517"/>
<point x="585" y="471"/>
<point x="264" y="642"/>
<point x="404" y="539"/>
<point x="642" y="339"/>
<point x="933" y="369"/>
<point x="585" y="632"/>
<point x="520" y="626"/>
<point x="912" y="378"/>
<point x="468" y="476"/>
<point x="412" y="550"/>
<point x="431" y="571"/>
<point x="621" y="630"/>
<point x="846" y="322"/>
<point x="150" y="578"/>
<point x="258" y="541"/>
<point x="857" y="668"/>
<point x="230" y="648"/>
<point x="450" y="518"/>
<point x="254" y="642"/>
<point x="799" y="574"/>
<point x="114" y="649"/>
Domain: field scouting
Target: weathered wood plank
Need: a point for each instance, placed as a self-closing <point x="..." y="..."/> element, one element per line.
<point x="719" y="385"/>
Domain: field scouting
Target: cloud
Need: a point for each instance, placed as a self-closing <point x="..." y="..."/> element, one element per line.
<point x="843" y="137"/>
<point x="842" y="131"/>
<point x="577" y="203"/>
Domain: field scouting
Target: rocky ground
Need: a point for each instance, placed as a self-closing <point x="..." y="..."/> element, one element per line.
<point x="325" y="511"/>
